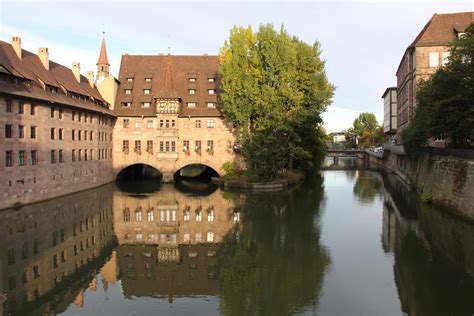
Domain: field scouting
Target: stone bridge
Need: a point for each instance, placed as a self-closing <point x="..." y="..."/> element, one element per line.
<point x="337" y="153"/>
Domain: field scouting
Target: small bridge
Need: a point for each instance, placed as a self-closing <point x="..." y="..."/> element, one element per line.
<point x="338" y="153"/>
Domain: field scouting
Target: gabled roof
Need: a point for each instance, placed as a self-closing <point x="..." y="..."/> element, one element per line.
<point x="169" y="78"/>
<point x="30" y="67"/>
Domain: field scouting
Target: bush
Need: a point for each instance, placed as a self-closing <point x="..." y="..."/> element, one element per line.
<point x="426" y="196"/>
<point x="229" y="167"/>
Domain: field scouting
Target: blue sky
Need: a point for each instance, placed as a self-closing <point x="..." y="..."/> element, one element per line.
<point x="362" y="42"/>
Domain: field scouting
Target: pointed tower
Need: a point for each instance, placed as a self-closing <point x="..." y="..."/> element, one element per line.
<point x="167" y="99"/>
<point x="103" y="62"/>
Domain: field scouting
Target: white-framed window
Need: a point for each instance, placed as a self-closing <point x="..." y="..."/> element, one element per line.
<point x="210" y="123"/>
<point x="445" y="58"/>
<point x="147" y="79"/>
<point x="186" y="216"/>
<point x="210" y="236"/>
<point x="162" y="216"/>
<point x="129" y="79"/>
<point x="146" y="91"/>
<point x="139" y="237"/>
<point x="198" y="237"/>
<point x="210" y="79"/>
<point x="138" y="216"/>
<point x="198" y="216"/>
<point x="211" y="91"/>
<point x="191" y="104"/>
<point x="146" y="104"/>
<point x="138" y="123"/>
<point x="173" y="215"/>
<point x="236" y="217"/>
<point x="150" y="216"/>
<point x="192" y="91"/>
<point x="128" y="91"/>
<point x="210" y="216"/>
<point x="211" y="104"/>
<point x="434" y="59"/>
<point x="192" y="79"/>
<point x="149" y="124"/>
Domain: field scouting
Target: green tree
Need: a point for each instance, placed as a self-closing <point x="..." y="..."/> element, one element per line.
<point x="366" y="122"/>
<point x="445" y="102"/>
<point x="275" y="90"/>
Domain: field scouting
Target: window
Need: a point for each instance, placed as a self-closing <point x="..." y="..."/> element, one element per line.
<point x="149" y="146"/>
<point x="198" y="124"/>
<point x="198" y="237"/>
<point x="125" y="146"/>
<point x="52" y="132"/>
<point x="161" y="146"/>
<point x="60" y="134"/>
<point x="60" y="113"/>
<point x="191" y="104"/>
<point x="173" y="123"/>
<point x="32" y="109"/>
<point x="21" y="158"/>
<point x="34" y="157"/>
<point x="210" y="237"/>
<point x="192" y="79"/>
<point x="21" y="107"/>
<point x="79" y="155"/>
<point x="186" y="145"/>
<point x="73" y="155"/>
<point x="445" y="58"/>
<point x="210" y="123"/>
<point x="52" y="112"/>
<point x="197" y="145"/>
<point x="173" y="146"/>
<point x="128" y="91"/>
<point x="33" y="132"/>
<point x="138" y="216"/>
<point x="55" y="261"/>
<point x="211" y="104"/>
<point x="8" y="131"/>
<point x="126" y="123"/>
<point x="73" y="134"/>
<point x="210" y="145"/>
<point x="210" y="215"/>
<point x="129" y="79"/>
<point x="11" y="256"/>
<point x="8" y="105"/>
<point x="210" y="79"/>
<point x="149" y="124"/>
<point x="211" y="91"/>
<point x="36" y="273"/>
<point x="21" y="131"/>
<point x="91" y="135"/>
<point x="138" y="123"/>
<point x="162" y="123"/>
<point x="146" y="91"/>
<point x="85" y="154"/>
<point x="53" y="156"/>
<point x="126" y="215"/>
<point x="186" y="216"/>
<point x="147" y="79"/>
<point x="146" y="104"/>
<point x="138" y="146"/>
<point x="198" y="216"/>
<point x="8" y="158"/>
<point x="167" y="146"/>
<point x="434" y="59"/>
<point x="150" y="216"/>
<point x="73" y="116"/>
<point x="192" y="91"/>
<point x="236" y="217"/>
<point x="126" y="104"/>
<point x="186" y="237"/>
<point x="60" y="156"/>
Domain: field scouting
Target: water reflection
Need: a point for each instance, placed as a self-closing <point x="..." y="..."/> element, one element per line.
<point x="121" y="250"/>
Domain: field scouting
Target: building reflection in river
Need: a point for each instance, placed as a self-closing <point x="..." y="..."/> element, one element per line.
<point x="46" y="245"/>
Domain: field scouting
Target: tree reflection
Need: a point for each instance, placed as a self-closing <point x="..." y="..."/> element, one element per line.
<point x="366" y="186"/>
<point x="274" y="263"/>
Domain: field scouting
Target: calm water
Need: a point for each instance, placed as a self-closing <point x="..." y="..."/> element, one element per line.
<point x="346" y="242"/>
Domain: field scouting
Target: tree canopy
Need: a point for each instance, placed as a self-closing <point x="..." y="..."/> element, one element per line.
<point x="445" y="102"/>
<point x="275" y="89"/>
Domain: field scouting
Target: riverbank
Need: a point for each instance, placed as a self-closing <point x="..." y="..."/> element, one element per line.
<point x="241" y="181"/>
<point x="444" y="180"/>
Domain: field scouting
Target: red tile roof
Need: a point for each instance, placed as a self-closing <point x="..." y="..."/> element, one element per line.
<point x="103" y="60"/>
<point x="30" y="67"/>
<point x="176" y="70"/>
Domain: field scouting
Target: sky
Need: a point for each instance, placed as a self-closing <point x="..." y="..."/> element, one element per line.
<point x="362" y="42"/>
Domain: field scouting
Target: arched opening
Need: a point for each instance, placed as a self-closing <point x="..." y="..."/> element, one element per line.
<point x="196" y="179"/>
<point x="139" y="178"/>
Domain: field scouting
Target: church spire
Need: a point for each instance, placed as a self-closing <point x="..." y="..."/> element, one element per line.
<point x="168" y="90"/>
<point x="103" y="62"/>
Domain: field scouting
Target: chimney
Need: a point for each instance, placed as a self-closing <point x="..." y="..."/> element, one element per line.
<point x="16" y="43"/>
<point x="90" y="78"/>
<point x="43" y="55"/>
<point x="76" y="70"/>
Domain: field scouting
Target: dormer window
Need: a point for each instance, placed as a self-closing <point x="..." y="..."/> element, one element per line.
<point x="126" y="104"/>
<point x="146" y="91"/>
<point x="211" y="104"/>
<point x="129" y="79"/>
<point x="192" y="91"/>
<point x="128" y="91"/>
<point x="147" y="79"/>
<point x="191" y="104"/>
<point x="146" y="104"/>
<point x="211" y="91"/>
<point x="192" y="79"/>
<point x="210" y="79"/>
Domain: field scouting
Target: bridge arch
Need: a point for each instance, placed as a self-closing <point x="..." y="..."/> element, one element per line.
<point x="196" y="171"/>
<point x="139" y="171"/>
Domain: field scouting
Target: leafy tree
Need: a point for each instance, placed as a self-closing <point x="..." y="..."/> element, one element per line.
<point x="445" y="102"/>
<point x="275" y="89"/>
<point x="366" y="122"/>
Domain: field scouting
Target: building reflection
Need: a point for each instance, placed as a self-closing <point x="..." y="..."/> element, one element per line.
<point x="168" y="241"/>
<point x="49" y="249"/>
<point x="434" y="254"/>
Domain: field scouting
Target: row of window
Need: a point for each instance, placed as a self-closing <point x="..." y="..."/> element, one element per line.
<point x="170" y="238"/>
<point x="56" y="133"/>
<point x="57" y="156"/>
<point x="434" y="58"/>
<point x="167" y="215"/>
<point x="21" y="131"/>
<point x="190" y="79"/>
<point x="190" y="91"/>
<point x="165" y="123"/>
<point x="166" y="146"/>
<point x="210" y="105"/>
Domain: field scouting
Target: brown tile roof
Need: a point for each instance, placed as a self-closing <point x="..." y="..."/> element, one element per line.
<point x="180" y="69"/>
<point x="441" y="29"/>
<point x="30" y="67"/>
<point x="103" y="54"/>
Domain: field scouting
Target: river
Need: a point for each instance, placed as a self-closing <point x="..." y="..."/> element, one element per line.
<point x="348" y="241"/>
